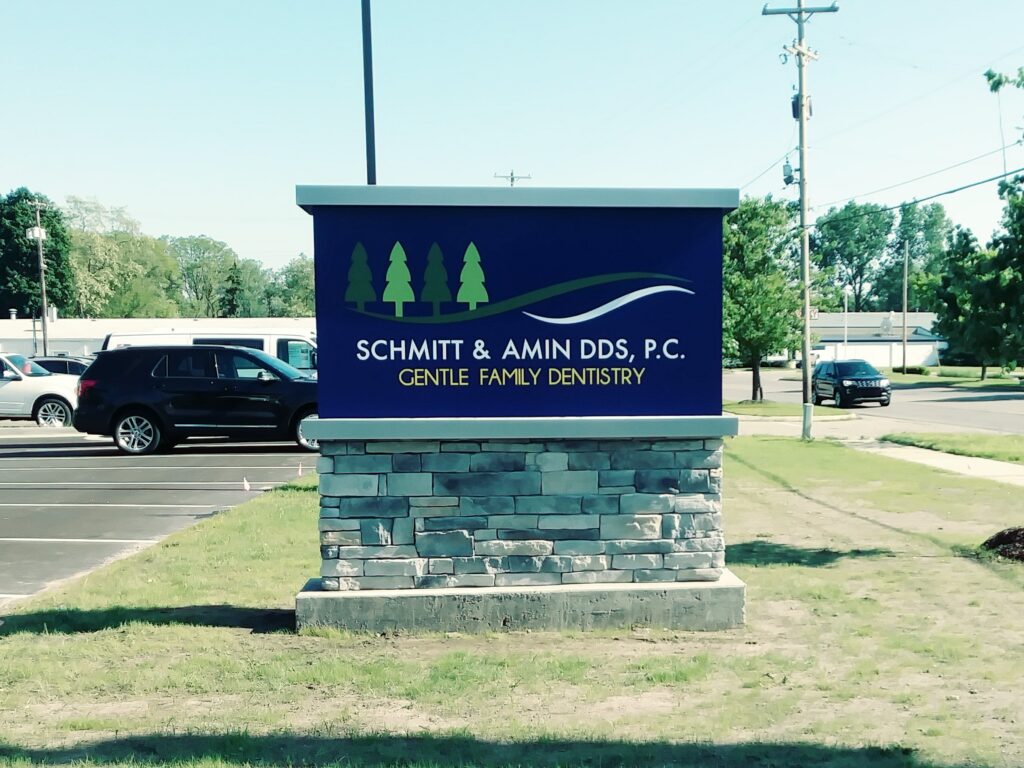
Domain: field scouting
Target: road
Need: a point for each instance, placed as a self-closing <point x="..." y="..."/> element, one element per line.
<point x="928" y="409"/>
<point x="69" y="503"/>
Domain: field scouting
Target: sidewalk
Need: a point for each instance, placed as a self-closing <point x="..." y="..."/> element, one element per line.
<point x="863" y="434"/>
<point x="984" y="469"/>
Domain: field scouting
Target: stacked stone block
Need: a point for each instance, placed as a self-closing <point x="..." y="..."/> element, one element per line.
<point x="429" y="514"/>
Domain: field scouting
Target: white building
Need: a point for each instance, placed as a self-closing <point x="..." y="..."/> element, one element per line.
<point x="876" y="337"/>
<point x="83" y="337"/>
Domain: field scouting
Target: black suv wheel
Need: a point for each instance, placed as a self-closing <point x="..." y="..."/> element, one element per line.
<point x="309" y="443"/>
<point x="136" y="433"/>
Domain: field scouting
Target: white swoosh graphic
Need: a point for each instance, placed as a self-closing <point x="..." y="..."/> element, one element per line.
<point x="612" y="305"/>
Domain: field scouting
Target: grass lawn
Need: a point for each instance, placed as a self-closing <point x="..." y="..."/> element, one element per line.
<point x="959" y="379"/>
<point x="998" y="447"/>
<point x="973" y="372"/>
<point x="870" y="642"/>
<point x="946" y="376"/>
<point x="770" y="408"/>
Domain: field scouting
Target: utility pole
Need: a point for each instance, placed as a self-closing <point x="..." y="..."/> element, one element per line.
<point x="801" y="14"/>
<point x="371" y="145"/>
<point x="511" y="177"/>
<point x="906" y="269"/>
<point x="38" y="234"/>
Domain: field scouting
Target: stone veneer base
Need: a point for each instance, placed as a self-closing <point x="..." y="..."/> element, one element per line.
<point x="713" y="605"/>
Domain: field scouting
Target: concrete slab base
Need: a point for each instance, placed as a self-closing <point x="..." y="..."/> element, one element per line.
<point x="694" y="605"/>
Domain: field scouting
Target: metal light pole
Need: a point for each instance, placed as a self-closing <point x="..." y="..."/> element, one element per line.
<point x="906" y="269"/>
<point x="371" y="148"/>
<point x="846" y="319"/>
<point x="38" y="234"/>
<point x="800" y="15"/>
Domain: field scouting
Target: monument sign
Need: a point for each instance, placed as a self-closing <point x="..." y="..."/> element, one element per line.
<point x="519" y="389"/>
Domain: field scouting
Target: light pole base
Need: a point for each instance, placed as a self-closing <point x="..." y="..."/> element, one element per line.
<point x="808" y="414"/>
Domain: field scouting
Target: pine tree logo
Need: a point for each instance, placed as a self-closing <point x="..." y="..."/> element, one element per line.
<point x="471" y="288"/>
<point x="398" y="289"/>
<point x="360" y="279"/>
<point x="435" y="280"/>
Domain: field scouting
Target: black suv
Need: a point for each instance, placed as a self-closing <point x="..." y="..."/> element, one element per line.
<point x="150" y="398"/>
<point x="848" y="382"/>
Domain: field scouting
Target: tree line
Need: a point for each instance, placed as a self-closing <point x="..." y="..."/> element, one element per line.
<point x="100" y="264"/>
<point x="976" y="291"/>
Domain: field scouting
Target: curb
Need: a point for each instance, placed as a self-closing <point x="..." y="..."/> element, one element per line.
<point x="815" y="419"/>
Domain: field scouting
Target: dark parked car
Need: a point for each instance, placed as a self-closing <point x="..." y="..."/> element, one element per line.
<point x="74" y="366"/>
<point x="151" y="398"/>
<point x="848" y="382"/>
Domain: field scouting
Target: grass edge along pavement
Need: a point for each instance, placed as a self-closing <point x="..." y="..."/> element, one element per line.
<point x="863" y="647"/>
<point x="768" y="409"/>
<point x="945" y="376"/>
<point x="1008" y="448"/>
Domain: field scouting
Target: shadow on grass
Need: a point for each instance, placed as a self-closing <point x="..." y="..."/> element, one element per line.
<point x="757" y="553"/>
<point x="377" y="751"/>
<point x="74" y="621"/>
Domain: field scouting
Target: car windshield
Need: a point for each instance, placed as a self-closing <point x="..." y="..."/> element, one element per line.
<point x="857" y="368"/>
<point x="26" y="367"/>
<point x="279" y="367"/>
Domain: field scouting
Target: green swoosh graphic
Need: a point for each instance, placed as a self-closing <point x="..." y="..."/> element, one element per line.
<point x="525" y="299"/>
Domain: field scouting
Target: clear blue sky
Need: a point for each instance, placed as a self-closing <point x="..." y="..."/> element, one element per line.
<point x="200" y="117"/>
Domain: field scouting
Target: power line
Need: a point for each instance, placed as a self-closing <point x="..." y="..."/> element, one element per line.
<point x="880" y="52"/>
<point x="774" y="163"/>
<point x="901" y="206"/>
<point x="924" y="176"/>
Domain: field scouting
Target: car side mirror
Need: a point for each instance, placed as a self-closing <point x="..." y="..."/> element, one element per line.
<point x="12" y="375"/>
<point x="312" y="359"/>
<point x="265" y="376"/>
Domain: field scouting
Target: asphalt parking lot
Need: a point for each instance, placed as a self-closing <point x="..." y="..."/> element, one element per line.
<point x="69" y="503"/>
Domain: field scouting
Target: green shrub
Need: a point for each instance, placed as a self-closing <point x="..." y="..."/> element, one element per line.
<point x="919" y="370"/>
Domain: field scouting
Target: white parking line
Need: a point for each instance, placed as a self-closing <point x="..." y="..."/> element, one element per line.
<point x="12" y="596"/>
<point x="126" y="506"/>
<point x="291" y="468"/>
<point x="92" y="457"/>
<point x="72" y="484"/>
<point x="24" y="540"/>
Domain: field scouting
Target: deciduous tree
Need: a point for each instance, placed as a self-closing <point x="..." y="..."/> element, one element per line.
<point x="292" y="291"/>
<point x="19" y="260"/>
<point x="851" y="241"/>
<point x="156" y="292"/>
<point x="761" y="312"/>
<point x="973" y="313"/>
<point x="925" y="230"/>
<point x="204" y="263"/>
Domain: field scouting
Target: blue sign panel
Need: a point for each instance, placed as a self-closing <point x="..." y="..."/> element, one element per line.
<point x="474" y="310"/>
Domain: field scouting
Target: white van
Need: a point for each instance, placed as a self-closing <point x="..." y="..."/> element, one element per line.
<point x="296" y="349"/>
